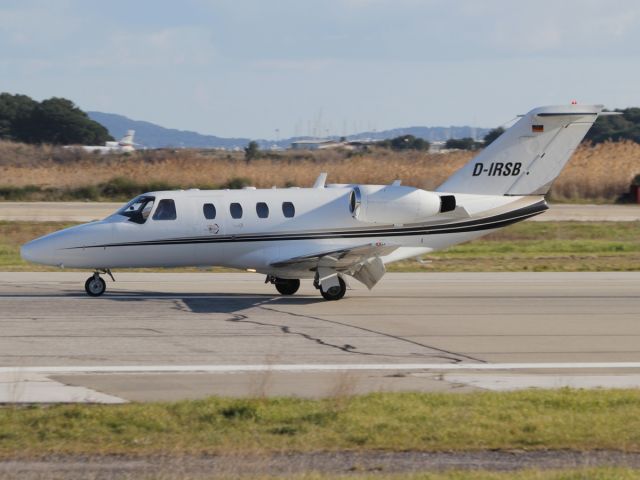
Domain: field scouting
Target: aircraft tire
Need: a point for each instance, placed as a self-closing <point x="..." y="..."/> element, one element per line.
<point x="95" y="286"/>
<point x="287" y="286"/>
<point x="335" y="293"/>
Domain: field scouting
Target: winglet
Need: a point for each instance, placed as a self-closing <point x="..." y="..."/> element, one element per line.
<point x="320" y="181"/>
<point x="396" y="183"/>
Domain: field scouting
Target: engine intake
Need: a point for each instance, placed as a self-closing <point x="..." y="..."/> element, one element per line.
<point x="396" y="204"/>
<point x="447" y="203"/>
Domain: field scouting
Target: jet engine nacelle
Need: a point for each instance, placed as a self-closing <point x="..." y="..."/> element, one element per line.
<point x="395" y="204"/>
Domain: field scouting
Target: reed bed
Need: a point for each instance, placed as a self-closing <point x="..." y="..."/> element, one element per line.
<point x="595" y="173"/>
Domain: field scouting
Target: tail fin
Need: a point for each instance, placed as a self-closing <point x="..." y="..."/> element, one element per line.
<point x="527" y="158"/>
<point x="127" y="140"/>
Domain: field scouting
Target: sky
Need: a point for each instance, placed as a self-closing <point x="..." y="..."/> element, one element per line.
<point x="278" y="68"/>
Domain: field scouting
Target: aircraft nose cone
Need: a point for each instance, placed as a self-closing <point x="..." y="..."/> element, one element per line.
<point x="36" y="252"/>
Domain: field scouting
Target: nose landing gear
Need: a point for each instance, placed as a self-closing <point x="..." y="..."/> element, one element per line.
<point x="95" y="285"/>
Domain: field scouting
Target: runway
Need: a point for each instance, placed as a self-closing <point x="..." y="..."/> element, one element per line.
<point x="164" y="336"/>
<point x="89" y="211"/>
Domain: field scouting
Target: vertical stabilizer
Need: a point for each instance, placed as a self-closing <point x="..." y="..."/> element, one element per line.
<point x="127" y="140"/>
<point x="527" y="158"/>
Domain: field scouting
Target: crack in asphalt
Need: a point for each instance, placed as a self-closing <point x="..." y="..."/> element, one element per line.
<point x="441" y="353"/>
<point x="448" y="355"/>
<point x="238" y="318"/>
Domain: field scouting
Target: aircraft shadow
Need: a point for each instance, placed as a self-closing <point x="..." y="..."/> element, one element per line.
<point x="218" y="302"/>
<point x="203" y="305"/>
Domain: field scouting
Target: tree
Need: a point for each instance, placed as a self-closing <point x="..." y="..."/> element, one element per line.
<point x="15" y="113"/>
<point x="492" y="135"/>
<point x="59" y="121"/>
<point x="467" y="143"/>
<point x="616" y="127"/>
<point x="251" y="151"/>
<point x="405" y="142"/>
<point x="56" y="120"/>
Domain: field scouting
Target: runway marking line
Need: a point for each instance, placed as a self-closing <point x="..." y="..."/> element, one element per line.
<point x="316" y="367"/>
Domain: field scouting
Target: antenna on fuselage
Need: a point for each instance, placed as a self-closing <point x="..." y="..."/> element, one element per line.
<point x="320" y="181"/>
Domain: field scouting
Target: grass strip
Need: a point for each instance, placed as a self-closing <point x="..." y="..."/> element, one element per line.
<point x="569" y="474"/>
<point x="541" y="246"/>
<point x="527" y="246"/>
<point x="530" y="419"/>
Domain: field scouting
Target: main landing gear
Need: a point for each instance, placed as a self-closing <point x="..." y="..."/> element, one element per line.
<point x="335" y="292"/>
<point x="95" y="285"/>
<point x="285" y="286"/>
<point x="289" y="286"/>
<point x="333" y="289"/>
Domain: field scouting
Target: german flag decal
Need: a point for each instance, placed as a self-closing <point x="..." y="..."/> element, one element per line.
<point x="537" y="128"/>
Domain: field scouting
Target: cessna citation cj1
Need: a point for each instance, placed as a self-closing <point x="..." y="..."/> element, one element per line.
<point x="327" y="232"/>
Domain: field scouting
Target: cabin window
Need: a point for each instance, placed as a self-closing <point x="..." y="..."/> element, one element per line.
<point x="166" y="210"/>
<point x="288" y="209"/>
<point x="138" y="209"/>
<point x="262" y="209"/>
<point x="209" y="211"/>
<point x="236" y="210"/>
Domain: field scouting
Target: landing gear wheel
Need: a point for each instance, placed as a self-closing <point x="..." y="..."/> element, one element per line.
<point x="336" y="292"/>
<point x="95" y="286"/>
<point x="287" y="286"/>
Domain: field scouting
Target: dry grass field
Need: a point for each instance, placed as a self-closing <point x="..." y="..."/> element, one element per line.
<point x="595" y="174"/>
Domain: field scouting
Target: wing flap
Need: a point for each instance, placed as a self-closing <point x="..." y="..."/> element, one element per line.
<point x="370" y="272"/>
<point x="362" y="262"/>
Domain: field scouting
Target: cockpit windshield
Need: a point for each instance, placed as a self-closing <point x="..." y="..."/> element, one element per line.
<point x="138" y="209"/>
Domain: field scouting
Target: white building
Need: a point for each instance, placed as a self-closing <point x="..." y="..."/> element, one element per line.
<point x="318" y="144"/>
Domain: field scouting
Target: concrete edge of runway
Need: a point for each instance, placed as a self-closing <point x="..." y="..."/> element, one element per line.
<point x="30" y="385"/>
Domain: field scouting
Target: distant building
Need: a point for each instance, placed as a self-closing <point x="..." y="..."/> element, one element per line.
<point x="315" y="144"/>
<point x="437" y="147"/>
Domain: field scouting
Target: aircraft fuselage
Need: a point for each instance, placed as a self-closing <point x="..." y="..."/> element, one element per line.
<point x="273" y="225"/>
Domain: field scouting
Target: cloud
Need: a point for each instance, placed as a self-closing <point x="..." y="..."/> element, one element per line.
<point x="36" y="35"/>
<point x="366" y="4"/>
<point x="174" y="46"/>
<point x="303" y="65"/>
<point x="36" y="25"/>
<point x="210" y="65"/>
<point x="584" y="27"/>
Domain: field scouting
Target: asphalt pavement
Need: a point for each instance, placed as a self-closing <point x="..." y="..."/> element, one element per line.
<point x="167" y="336"/>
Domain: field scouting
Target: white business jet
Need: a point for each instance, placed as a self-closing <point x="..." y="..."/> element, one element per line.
<point x="124" y="145"/>
<point x="327" y="232"/>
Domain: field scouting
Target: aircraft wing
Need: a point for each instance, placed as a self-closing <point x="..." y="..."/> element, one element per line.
<point x="361" y="262"/>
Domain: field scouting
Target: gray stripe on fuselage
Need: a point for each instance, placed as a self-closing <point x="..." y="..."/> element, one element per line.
<point x="487" y="223"/>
